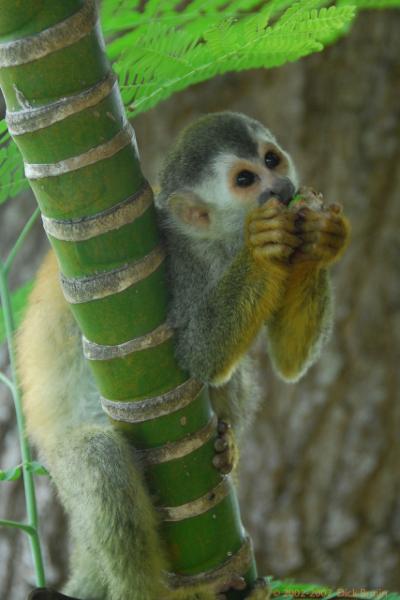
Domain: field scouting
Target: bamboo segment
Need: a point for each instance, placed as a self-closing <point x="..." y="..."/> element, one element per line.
<point x="65" y="113"/>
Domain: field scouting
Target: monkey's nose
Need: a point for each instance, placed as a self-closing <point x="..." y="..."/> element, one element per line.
<point x="283" y="189"/>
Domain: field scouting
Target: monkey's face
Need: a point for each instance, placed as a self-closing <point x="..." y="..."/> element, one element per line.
<point x="246" y="182"/>
<point x="270" y="174"/>
<point x="237" y="184"/>
<point x="223" y="166"/>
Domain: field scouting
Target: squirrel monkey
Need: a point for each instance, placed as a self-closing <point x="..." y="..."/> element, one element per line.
<point x="241" y="260"/>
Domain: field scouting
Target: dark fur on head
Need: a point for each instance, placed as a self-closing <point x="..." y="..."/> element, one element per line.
<point x="199" y="144"/>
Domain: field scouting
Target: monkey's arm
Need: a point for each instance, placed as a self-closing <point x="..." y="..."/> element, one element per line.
<point x="304" y="320"/>
<point x="222" y="324"/>
<point x="302" y="324"/>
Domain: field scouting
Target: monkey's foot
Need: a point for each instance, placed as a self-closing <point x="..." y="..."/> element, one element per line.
<point x="226" y="457"/>
<point x="261" y="590"/>
<point x="237" y="583"/>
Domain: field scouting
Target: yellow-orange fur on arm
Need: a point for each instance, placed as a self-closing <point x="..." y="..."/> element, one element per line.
<point x="297" y="331"/>
<point x="303" y="322"/>
<point x="257" y="298"/>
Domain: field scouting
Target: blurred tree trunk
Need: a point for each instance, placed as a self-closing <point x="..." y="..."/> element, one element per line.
<point x="320" y="477"/>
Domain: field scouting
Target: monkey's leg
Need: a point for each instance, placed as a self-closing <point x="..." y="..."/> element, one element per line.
<point x="113" y="519"/>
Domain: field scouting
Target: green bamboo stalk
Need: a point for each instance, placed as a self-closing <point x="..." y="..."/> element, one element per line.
<point x="81" y="159"/>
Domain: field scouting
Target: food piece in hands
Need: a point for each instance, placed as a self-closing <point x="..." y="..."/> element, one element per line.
<point x="308" y="197"/>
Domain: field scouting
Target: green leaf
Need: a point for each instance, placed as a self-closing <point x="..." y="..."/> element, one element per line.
<point x="12" y="178"/>
<point x="11" y="474"/>
<point x="369" y="4"/>
<point x="175" y="50"/>
<point x="15" y="472"/>
<point x="19" y="300"/>
<point x="37" y="469"/>
<point x="159" y="48"/>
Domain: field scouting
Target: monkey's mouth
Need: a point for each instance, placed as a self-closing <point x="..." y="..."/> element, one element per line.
<point x="283" y="189"/>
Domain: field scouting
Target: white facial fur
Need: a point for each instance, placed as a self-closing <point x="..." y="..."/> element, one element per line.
<point x="229" y="206"/>
<point x="216" y="207"/>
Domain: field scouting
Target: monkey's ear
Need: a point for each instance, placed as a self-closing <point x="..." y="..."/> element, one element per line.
<point x="190" y="209"/>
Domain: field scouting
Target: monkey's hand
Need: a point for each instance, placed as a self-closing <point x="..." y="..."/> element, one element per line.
<point x="298" y="330"/>
<point x="324" y="235"/>
<point x="227" y="454"/>
<point x="271" y="233"/>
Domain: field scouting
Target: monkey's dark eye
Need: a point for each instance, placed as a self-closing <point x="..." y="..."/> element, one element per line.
<point x="245" y="178"/>
<point x="272" y="160"/>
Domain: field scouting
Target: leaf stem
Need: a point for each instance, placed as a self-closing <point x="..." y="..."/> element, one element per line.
<point x="16" y="525"/>
<point x="4" y="379"/>
<point x="20" y="240"/>
<point x="30" y="497"/>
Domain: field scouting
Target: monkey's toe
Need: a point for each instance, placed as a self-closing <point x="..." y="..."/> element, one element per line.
<point x="226" y="454"/>
<point x="261" y="590"/>
<point x="237" y="582"/>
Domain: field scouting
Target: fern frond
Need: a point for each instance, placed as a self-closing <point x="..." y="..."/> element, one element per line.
<point x="365" y="4"/>
<point x="159" y="48"/>
<point x="121" y="16"/>
<point x="164" y="60"/>
<point x="12" y="178"/>
<point x="323" y="24"/>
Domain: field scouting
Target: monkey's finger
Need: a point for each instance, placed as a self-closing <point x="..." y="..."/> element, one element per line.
<point x="322" y="239"/>
<point x="273" y="251"/>
<point x="317" y="252"/>
<point x="310" y="248"/>
<point x="306" y="214"/>
<point x="223" y="426"/>
<point x="223" y="463"/>
<point x="275" y="237"/>
<point x="311" y="252"/>
<point x="300" y="256"/>
<point x="261" y="590"/>
<point x="274" y="203"/>
<point x="264" y="214"/>
<point x="271" y="204"/>
<point x="281" y="222"/>
<point x="336" y="208"/>
<point x="220" y="444"/>
<point x="324" y="224"/>
<point x="237" y="582"/>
